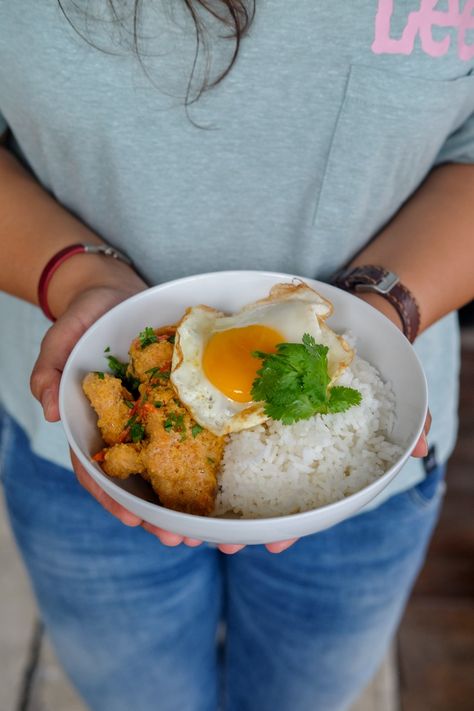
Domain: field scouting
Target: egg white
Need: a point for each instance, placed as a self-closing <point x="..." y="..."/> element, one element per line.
<point x="290" y="309"/>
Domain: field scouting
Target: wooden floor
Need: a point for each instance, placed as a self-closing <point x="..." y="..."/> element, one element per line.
<point x="436" y="638"/>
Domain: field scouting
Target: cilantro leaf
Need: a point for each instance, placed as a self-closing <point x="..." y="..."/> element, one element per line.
<point x="316" y="377"/>
<point x="156" y="372"/>
<point x="341" y="399"/>
<point x="300" y="408"/>
<point x="175" y="422"/>
<point x="196" y="429"/>
<point x="147" y="336"/>
<point x="120" y="371"/>
<point x="131" y="421"/>
<point x="137" y="431"/>
<point x="118" y="368"/>
<point x="294" y="383"/>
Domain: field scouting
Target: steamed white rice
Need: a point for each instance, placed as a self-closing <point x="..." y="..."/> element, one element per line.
<point x="275" y="469"/>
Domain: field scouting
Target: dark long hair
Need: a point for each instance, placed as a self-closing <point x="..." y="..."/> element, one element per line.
<point x="235" y="15"/>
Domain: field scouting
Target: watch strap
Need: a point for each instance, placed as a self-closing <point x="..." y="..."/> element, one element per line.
<point x="378" y="280"/>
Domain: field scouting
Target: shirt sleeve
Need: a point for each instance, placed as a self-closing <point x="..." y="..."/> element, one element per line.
<point x="459" y="147"/>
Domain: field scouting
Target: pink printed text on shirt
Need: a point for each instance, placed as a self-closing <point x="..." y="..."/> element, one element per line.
<point x="421" y="23"/>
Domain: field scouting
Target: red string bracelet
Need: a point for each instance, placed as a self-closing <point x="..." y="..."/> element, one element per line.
<point x="60" y="257"/>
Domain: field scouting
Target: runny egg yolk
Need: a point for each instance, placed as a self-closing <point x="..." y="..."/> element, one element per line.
<point x="228" y="362"/>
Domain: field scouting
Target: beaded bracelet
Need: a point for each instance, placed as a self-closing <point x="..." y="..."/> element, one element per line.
<point x="60" y="257"/>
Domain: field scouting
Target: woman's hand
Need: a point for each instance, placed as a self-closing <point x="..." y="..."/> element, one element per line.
<point x="63" y="335"/>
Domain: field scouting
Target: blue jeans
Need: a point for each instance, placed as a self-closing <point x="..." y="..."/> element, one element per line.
<point x="134" y="623"/>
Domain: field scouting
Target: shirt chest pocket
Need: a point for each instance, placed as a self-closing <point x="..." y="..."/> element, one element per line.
<point x="388" y="134"/>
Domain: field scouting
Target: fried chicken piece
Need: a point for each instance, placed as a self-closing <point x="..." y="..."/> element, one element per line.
<point x="122" y="460"/>
<point x="107" y="396"/>
<point x="177" y="457"/>
<point x="181" y="458"/>
<point x="155" y="355"/>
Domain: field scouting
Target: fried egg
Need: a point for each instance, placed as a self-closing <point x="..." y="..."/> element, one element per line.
<point x="213" y="367"/>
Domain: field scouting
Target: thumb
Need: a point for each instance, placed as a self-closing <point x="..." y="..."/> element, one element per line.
<point x="56" y="346"/>
<point x="61" y="339"/>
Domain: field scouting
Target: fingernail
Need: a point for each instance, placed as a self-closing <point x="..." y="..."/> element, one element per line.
<point x="192" y="542"/>
<point x="281" y="546"/>
<point x="170" y="539"/>
<point x="230" y="548"/>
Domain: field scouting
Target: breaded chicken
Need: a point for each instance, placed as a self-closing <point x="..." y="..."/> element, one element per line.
<point x="122" y="460"/>
<point x="156" y="436"/>
<point x="107" y="396"/>
<point x="181" y="458"/>
<point x="159" y="354"/>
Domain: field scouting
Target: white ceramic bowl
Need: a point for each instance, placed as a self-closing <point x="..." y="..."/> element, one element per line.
<point x="378" y="341"/>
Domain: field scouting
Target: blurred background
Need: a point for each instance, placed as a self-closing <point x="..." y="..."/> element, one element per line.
<point x="430" y="666"/>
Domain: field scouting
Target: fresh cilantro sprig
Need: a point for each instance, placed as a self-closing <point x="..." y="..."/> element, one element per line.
<point x="136" y="429"/>
<point x="137" y="432"/>
<point x="294" y="383"/>
<point x="118" y="368"/>
<point x="120" y="371"/>
<point x="147" y="336"/>
<point x="157" y="373"/>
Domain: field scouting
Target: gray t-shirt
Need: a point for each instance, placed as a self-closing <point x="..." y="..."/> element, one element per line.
<point x="332" y="116"/>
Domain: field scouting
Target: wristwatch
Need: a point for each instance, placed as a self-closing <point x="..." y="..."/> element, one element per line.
<point x="379" y="280"/>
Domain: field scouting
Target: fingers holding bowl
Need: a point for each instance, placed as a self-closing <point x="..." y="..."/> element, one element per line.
<point x="280" y="546"/>
<point x="126" y="517"/>
<point x="63" y="335"/>
<point x="421" y="447"/>
<point x="230" y="548"/>
<point x="167" y="538"/>
<point x="276" y="547"/>
<point x="46" y="375"/>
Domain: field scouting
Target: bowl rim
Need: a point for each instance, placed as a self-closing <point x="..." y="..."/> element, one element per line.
<point x="373" y="488"/>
